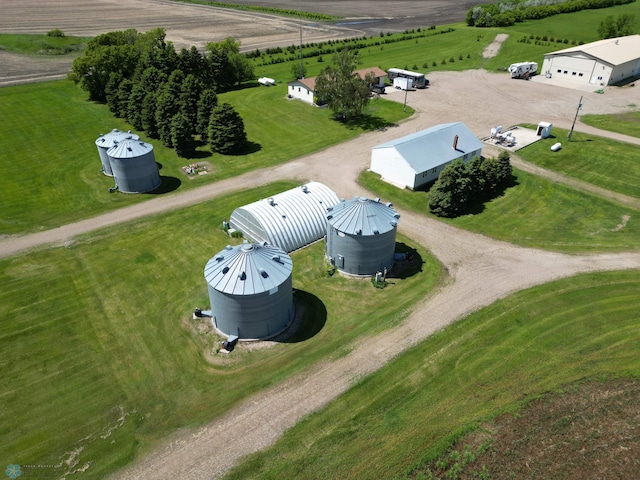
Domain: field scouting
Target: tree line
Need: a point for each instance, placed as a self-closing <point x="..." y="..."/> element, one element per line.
<point x="172" y="96"/>
<point x="462" y="185"/>
<point x="506" y="13"/>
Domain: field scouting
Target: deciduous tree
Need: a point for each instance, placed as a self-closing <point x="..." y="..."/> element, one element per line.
<point x="345" y="92"/>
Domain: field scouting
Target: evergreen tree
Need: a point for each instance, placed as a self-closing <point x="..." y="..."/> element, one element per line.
<point x="505" y="169"/>
<point x="207" y="102"/>
<point x="167" y="105"/>
<point x="226" y="130"/>
<point x="135" y="106"/>
<point x="181" y="134"/>
<point x="148" y="114"/>
<point x="189" y="96"/>
<point x="450" y="194"/>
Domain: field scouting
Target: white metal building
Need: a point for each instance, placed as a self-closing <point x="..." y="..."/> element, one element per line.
<point x="417" y="159"/>
<point x="289" y="220"/>
<point x="604" y="62"/>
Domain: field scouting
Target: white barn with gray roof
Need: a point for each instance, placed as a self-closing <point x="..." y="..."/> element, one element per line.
<point x="417" y="159"/>
<point x="602" y="63"/>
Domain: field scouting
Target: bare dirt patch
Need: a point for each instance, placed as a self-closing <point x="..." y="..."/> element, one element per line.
<point x="493" y="48"/>
<point x="590" y="430"/>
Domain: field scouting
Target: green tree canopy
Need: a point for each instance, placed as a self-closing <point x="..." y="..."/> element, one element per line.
<point x="345" y="92"/>
<point x="226" y="130"/>
<point x="617" y="27"/>
<point x="450" y="194"/>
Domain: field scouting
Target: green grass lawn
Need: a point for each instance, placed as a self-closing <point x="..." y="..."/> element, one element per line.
<point x="41" y="44"/>
<point x="627" y="123"/>
<point x="50" y="168"/>
<point x="492" y="362"/>
<point x="535" y="213"/>
<point x="97" y="337"/>
<point x="603" y="162"/>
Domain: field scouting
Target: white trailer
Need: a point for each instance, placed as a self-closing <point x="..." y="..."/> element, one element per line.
<point x="523" y="69"/>
<point x="402" y="83"/>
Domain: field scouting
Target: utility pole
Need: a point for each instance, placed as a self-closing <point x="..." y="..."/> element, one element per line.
<point x="404" y="109"/>
<point x="574" y="120"/>
<point x="300" y="49"/>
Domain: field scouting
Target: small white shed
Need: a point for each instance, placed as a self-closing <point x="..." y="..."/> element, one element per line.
<point x="544" y="130"/>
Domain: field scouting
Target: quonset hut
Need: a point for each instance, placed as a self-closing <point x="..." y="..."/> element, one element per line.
<point x="134" y="166"/>
<point x="105" y="142"/>
<point x="290" y="220"/>
<point x="361" y="236"/>
<point x="250" y="290"/>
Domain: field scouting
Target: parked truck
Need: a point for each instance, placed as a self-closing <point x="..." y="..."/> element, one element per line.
<point x="523" y="69"/>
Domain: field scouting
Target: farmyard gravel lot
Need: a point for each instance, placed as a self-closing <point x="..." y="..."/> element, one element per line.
<point x="481" y="269"/>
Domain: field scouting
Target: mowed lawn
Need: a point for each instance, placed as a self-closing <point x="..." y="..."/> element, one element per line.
<point x="597" y="160"/>
<point x="492" y="362"/>
<point x="50" y="167"/>
<point x="100" y="356"/>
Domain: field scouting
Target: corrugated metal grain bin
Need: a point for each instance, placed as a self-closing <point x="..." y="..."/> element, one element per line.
<point x="105" y="142"/>
<point x="134" y="166"/>
<point x="250" y="290"/>
<point x="361" y="236"/>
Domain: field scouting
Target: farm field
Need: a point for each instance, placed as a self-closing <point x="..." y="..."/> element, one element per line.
<point x="101" y="322"/>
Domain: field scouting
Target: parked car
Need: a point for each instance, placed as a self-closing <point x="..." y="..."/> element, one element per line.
<point x="377" y="88"/>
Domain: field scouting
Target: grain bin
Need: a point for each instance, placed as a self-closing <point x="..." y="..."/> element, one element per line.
<point x="361" y="236"/>
<point x="105" y="142"/>
<point x="250" y="290"/>
<point x="134" y="166"/>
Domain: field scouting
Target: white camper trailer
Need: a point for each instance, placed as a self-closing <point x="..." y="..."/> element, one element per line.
<point x="523" y="69"/>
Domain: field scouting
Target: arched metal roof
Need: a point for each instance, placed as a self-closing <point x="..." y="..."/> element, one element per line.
<point x="129" y="149"/>
<point x="114" y="137"/>
<point x="290" y="219"/>
<point x="363" y="216"/>
<point x="248" y="269"/>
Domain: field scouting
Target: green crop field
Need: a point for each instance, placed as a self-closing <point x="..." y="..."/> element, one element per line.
<point x="496" y="360"/>
<point x="97" y="336"/>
